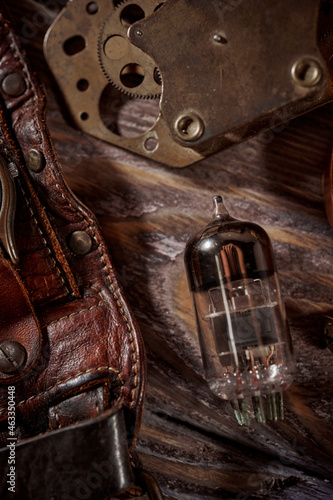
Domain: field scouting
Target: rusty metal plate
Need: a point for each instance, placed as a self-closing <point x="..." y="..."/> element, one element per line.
<point x="82" y="82"/>
<point x="234" y="64"/>
<point x="225" y="70"/>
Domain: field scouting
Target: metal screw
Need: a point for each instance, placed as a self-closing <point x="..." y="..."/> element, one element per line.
<point x="220" y="39"/>
<point x="92" y="8"/>
<point x="12" y="356"/>
<point x="189" y="127"/>
<point x="35" y="160"/>
<point x="14" y="84"/>
<point x="80" y="242"/>
<point x="306" y="72"/>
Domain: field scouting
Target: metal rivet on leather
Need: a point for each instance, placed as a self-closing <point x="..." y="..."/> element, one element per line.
<point x="12" y="356"/>
<point x="14" y="84"/>
<point x="35" y="160"/>
<point x="80" y="242"/>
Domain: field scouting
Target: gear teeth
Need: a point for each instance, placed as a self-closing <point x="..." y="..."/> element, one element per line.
<point x="120" y="4"/>
<point x="158" y="75"/>
<point x="100" y="44"/>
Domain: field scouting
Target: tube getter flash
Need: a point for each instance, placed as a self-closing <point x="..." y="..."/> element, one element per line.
<point x="241" y="321"/>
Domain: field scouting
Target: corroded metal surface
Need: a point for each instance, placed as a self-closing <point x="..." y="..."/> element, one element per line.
<point x="225" y="71"/>
<point x="72" y="71"/>
<point x="125" y="65"/>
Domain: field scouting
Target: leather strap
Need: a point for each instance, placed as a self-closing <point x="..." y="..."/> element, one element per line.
<point x="90" y="338"/>
<point x="18" y="320"/>
<point x="92" y="355"/>
<point x="88" y="460"/>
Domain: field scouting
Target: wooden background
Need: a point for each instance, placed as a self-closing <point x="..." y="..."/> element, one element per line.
<point x="189" y="439"/>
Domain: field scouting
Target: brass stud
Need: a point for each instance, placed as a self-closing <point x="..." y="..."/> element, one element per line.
<point x="80" y="242"/>
<point x="189" y="127"/>
<point x="306" y="72"/>
<point x="35" y="160"/>
<point x="12" y="356"/>
<point x="14" y="84"/>
<point x="220" y="38"/>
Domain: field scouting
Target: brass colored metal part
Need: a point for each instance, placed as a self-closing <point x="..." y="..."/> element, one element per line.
<point x="12" y="356"/>
<point x="306" y="72"/>
<point x="7" y="211"/>
<point x="80" y="243"/>
<point x="14" y="84"/>
<point x="126" y="66"/>
<point x="232" y="70"/>
<point x="238" y="75"/>
<point x="92" y="8"/>
<point x="189" y="127"/>
<point x="35" y="160"/>
<point x="83" y="71"/>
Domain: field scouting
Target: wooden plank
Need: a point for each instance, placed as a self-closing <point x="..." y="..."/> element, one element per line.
<point x="189" y="439"/>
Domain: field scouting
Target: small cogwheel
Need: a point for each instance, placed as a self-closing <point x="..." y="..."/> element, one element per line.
<point x="126" y="66"/>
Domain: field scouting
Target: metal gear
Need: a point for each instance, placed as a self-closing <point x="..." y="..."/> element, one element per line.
<point x="127" y="67"/>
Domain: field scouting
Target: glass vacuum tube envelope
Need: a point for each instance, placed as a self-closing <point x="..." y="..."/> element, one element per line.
<point x="240" y="316"/>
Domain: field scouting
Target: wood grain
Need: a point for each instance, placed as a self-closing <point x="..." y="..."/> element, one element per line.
<point x="190" y="439"/>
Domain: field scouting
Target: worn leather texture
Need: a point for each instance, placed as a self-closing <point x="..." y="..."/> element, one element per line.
<point x="84" y="350"/>
<point x="45" y="463"/>
<point x="18" y="320"/>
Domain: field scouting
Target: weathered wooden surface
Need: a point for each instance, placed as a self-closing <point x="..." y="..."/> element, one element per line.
<point x="189" y="439"/>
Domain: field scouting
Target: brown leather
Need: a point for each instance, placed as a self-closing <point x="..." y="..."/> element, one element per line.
<point x="91" y="351"/>
<point x="18" y="320"/>
<point x="44" y="464"/>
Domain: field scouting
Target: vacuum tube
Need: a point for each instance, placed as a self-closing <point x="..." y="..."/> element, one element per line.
<point x="241" y="321"/>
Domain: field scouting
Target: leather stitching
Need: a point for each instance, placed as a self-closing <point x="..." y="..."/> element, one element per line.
<point x="82" y="310"/>
<point x="102" y="254"/>
<point x="113" y="289"/>
<point x="14" y="49"/>
<point x="115" y="296"/>
<point x="53" y="261"/>
<point x="123" y="314"/>
<point x="72" y="377"/>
